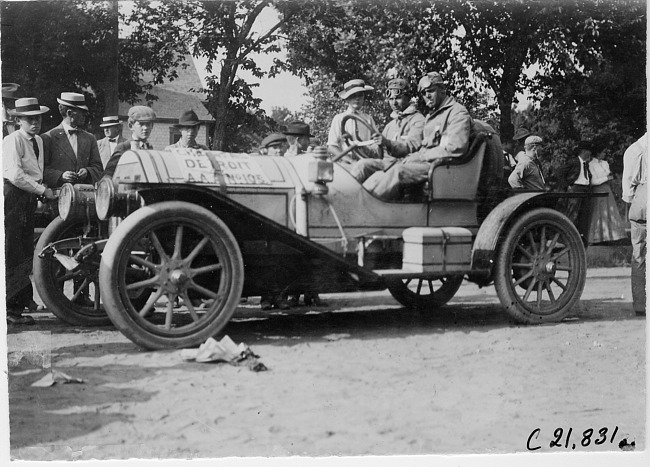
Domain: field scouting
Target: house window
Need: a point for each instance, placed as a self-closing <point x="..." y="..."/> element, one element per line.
<point x="174" y="135"/>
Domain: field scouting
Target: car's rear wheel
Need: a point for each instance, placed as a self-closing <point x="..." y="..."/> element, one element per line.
<point x="190" y="259"/>
<point x="72" y="296"/>
<point x="425" y="294"/>
<point x="541" y="267"/>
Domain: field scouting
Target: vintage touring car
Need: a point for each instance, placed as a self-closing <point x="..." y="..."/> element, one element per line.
<point x="166" y="249"/>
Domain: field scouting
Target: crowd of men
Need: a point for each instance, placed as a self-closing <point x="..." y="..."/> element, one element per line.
<point x="387" y="163"/>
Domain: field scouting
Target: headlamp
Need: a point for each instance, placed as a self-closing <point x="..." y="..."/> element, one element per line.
<point x="110" y="202"/>
<point x="77" y="202"/>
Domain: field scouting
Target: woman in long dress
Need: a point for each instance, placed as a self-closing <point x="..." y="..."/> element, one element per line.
<point x="606" y="224"/>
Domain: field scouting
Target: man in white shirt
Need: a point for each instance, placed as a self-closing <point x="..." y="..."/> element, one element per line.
<point x="354" y="93"/>
<point x="635" y="192"/>
<point x="22" y="154"/>
<point x="113" y="136"/>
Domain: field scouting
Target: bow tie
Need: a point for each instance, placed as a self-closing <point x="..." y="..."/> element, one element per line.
<point x="113" y="140"/>
<point x="73" y="131"/>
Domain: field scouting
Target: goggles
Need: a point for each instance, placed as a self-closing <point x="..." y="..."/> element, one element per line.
<point x="395" y="92"/>
<point x="428" y="81"/>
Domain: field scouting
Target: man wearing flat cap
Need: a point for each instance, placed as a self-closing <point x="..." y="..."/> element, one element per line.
<point x="113" y="136"/>
<point x="274" y="144"/>
<point x="354" y="94"/>
<point x="298" y="136"/>
<point x="446" y="133"/>
<point x="8" y="97"/>
<point x="140" y="122"/>
<point x="402" y="135"/>
<point x="527" y="174"/>
<point x="71" y="154"/>
<point x="188" y="124"/>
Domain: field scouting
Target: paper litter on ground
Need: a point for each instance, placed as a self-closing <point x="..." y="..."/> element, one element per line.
<point x="226" y="351"/>
<point x="54" y="377"/>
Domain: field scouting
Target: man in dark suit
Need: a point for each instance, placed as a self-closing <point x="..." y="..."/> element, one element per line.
<point x="71" y="154"/>
<point x="113" y="131"/>
<point x="141" y="121"/>
<point x="574" y="177"/>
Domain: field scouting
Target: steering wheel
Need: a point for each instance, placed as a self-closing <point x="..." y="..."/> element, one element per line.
<point x="353" y="143"/>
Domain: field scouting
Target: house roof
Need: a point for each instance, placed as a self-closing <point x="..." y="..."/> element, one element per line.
<point x="175" y="97"/>
<point x="170" y="104"/>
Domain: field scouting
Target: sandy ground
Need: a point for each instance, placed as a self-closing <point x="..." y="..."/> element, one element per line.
<point x="363" y="376"/>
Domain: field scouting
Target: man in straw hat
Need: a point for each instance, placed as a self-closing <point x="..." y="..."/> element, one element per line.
<point x="402" y="135"/>
<point x="8" y="98"/>
<point x="354" y="94"/>
<point x="113" y="136"/>
<point x="22" y="153"/>
<point x="71" y="154"/>
<point x="188" y="124"/>
<point x="141" y="121"/>
<point x="446" y="133"/>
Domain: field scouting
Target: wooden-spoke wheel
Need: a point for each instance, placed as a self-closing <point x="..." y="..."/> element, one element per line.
<point x="190" y="260"/>
<point x="71" y="295"/>
<point x="425" y="294"/>
<point x="541" y="267"/>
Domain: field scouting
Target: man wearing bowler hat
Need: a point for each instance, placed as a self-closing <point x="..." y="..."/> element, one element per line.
<point x="141" y="121"/>
<point x="113" y="136"/>
<point x="446" y="133"/>
<point x="402" y="135"/>
<point x="8" y="98"/>
<point x="71" y="154"/>
<point x="188" y="124"/>
<point x="354" y="94"/>
<point x="22" y="157"/>
<point x="298" y="136"/>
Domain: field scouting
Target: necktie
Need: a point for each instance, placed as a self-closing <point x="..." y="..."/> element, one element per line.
<point x="35" y="146"/>
<point x="541" y="173"/>
<point x="73" y="131"/>
<point x="112" y="140"/>
<point x="585" y="166"/>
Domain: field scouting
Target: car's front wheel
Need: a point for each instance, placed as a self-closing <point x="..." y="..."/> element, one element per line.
<point x="191" y="261"/>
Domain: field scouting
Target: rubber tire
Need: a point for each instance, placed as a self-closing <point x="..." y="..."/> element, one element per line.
<point x="113" y="288"/>
<point x="45" y="278"/>
<point x="448" y="288"/>
<point x="504" y="273"/>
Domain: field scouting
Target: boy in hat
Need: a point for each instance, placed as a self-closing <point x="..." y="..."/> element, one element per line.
<point x="402" y="135"/>
<point x="446" y="133"/>
<point x="113" y="136"/>
<point x="71" y="154"/>
<point x="354" y="94"/>
<point x="298" y="136"/>
<point x="527" y="174"/>
<point x="140" y="122"/>
<point x="8" y="98"/>
<point x="23" y="183"/>
<point x="275" y="144"/>
<point x="188" y="124"/>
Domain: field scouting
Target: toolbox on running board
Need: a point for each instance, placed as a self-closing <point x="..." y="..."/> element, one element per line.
<point x="433" y="249"/>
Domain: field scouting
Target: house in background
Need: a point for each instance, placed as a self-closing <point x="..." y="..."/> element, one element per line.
<point x="174" y="97"/>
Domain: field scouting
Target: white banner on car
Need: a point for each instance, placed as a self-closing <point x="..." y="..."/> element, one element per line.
<point x="215" y="167"/>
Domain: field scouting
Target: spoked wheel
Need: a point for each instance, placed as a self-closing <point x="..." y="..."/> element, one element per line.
<point x="72" y="296"/>
<point x="190" y="259"/>
<point x="541" y="267"/>
<point x="425" y="293"/>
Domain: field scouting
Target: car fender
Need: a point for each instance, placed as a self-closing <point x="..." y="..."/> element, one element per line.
<point x="495" y="225"/>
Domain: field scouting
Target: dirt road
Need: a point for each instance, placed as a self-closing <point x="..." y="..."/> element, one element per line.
<point x="363" y="376"/>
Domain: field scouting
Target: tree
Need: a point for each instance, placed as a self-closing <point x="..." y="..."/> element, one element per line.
<point x="479" y="45"/>
<point x="224" y="32"/>
<point x="54" y="47"/>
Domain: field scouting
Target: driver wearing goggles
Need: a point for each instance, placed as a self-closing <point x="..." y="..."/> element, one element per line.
<point x="401" y="136"/>
<point x="446" y="133"/>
